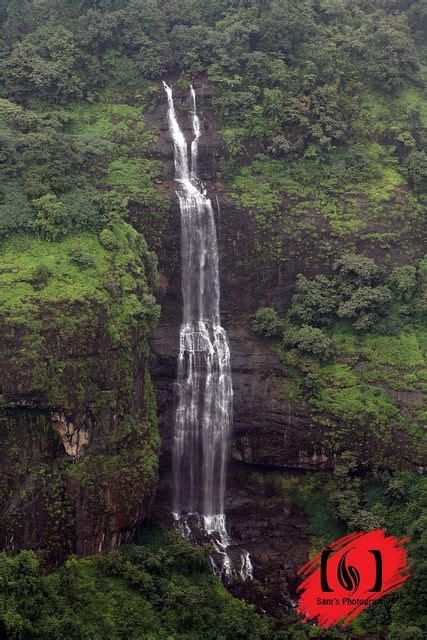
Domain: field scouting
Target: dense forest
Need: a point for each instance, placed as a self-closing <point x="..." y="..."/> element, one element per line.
<point x="320" y="110"/>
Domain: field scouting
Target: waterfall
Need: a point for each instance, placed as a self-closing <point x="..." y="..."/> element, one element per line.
<point x="204" y="385"/>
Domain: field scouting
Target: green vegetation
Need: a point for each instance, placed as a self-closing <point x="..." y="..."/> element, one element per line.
<point x="356" y="389"/>
<point x="58" y="165"/>
<point x="343" y="192"/>
<point x="70" y="310"/>
<point x="165" y="589"/>
<point x="267" y="323"/>
<point x="360" y="292"/>
<point x="38" y="277"/>
<point x="321" y="108"/>
<point x="357" y="373"/>
<point x="308" y="340"/>
<point x="25" y="259"/>
<point x="158" y="591"/>
<point x="77" y="281"/>
<point x="323" y="126"/>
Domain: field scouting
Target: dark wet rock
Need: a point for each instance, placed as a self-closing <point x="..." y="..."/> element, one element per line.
<point x="270" y="431"/>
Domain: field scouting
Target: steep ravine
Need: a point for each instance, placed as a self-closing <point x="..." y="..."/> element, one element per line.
<point x="274" y="534"/>
<point x="78" y="430"/>
<point x="270" y="430"/>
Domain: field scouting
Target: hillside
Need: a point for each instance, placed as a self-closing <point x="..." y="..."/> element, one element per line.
<point x="312" y="151"/>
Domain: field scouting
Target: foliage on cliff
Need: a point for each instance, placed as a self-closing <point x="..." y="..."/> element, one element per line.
<point x="320" y="106"/>
<point x="343" y="502"/>
<point x="75" y="314"/>
<point x="158" y="591"/>
<point x="108" y="279"/>
<point x="352" y="345"/>
<point x="352" y="348"/>
<point x="77" y="289"/>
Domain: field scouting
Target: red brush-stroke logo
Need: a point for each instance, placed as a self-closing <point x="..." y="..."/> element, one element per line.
<point x="350" y="575"/>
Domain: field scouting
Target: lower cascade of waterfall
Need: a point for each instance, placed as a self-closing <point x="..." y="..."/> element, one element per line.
<point x="204" y="386"/>
<point x="229" y="562"/>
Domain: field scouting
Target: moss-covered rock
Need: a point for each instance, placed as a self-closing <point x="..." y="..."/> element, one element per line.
<point x="78" y="419"/>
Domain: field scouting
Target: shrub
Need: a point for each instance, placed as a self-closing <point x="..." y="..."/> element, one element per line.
<point x="315" y="301"/>
<point x="49" y="220"/>
<point x="41" y="275"/>
<point x="399" y="632"/>
<point x="15" y="210"/>
<point x="109" y="240"/>
<point x="364" y="306"/>
<point x="114" y="207"/>
<point x="403" y="281"/>
<point x="267" y="323"/>
<point x="364" y="520"/>
<point x="309" y="340"/>
<point x="163" y="589"/>
<point x="81" y="257"/>
<point x="356" y="269"/>
<point x="82" y="207"/>
<point x="416" y="168"/>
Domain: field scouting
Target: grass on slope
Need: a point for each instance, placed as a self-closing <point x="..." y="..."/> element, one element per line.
<point x="24" y="258"/>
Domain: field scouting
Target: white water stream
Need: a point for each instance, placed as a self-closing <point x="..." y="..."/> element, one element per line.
<point x="204" y="386"/>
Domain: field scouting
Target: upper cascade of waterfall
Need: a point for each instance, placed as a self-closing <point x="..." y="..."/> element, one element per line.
<point x="195" y="142"/>
<point x="200" y="272"/>
<point x="180" y="144"/>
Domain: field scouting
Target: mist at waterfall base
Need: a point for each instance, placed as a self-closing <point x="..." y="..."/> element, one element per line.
<point x="204" y="385"/>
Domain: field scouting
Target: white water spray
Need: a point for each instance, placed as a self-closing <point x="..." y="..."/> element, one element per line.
<point x="204" y="385"/>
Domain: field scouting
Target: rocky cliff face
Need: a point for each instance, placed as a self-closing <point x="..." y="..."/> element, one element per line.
<point x="269" y="427"/>
<point x="78" y="431"/>
<point x="78" y="424"/>
<point x="267" y="431"/>
<point x="259" y="403"/>
<point x="271" y="430"/>
<point x="69" y="486"/>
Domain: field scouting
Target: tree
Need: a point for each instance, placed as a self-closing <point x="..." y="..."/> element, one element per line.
<point x="51" y="69"/>
<point x="15" y="210"/>
<point x="403" y="282"/>
<point x="49" y="219"/>
<point x="416" y="168"/>
<point x="267" y="323"/>
<point x="315" y="301"/>
<point x="309" y="340"/>
<point x="354" y="270"/>
<point x="364" y="306"/>
<point x="114" y="208"/>
<point x="20" y="592"/>
<point x="40" y="275"/>
<point x="109" y="240"/>
<point x="82" y="258"/>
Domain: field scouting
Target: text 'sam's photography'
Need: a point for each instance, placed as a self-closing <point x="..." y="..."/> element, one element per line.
<point x="213" y="286"/>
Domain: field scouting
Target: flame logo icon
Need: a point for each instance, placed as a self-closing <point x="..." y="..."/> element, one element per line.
<point x="348" y="577"/>
<point x="383" y="565"/>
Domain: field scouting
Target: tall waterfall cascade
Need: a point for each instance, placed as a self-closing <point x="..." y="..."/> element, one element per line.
<point x="204" y="385"/>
